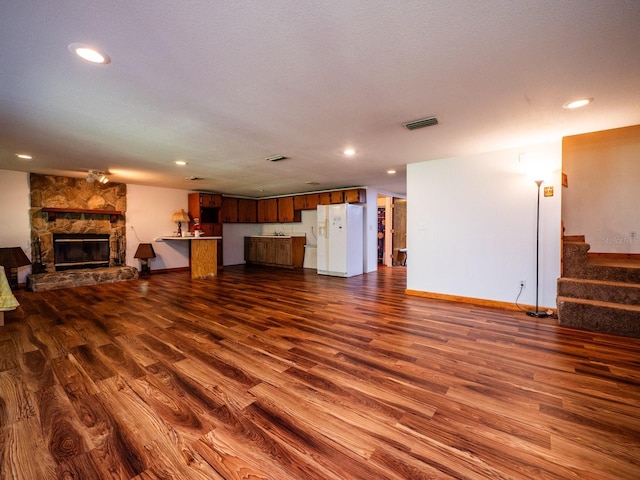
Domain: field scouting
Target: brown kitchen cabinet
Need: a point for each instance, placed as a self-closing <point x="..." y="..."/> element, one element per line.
<point x="247" y="210"/>
<point x="299" y="202"/>
<point x="324" y="198"/>
<point x="286" y="210"/>
<point x="274" y="251"/>
<point x="230" y="209"/>
<point x="355" y="195"/>
<point x="268" y="210"/>
<point x="336" y="197"/>
<point x="312" y="201"/>
<point x="210" y="200"/>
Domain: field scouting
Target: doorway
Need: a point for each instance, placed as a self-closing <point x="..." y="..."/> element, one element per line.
<point x="392" y="230"/>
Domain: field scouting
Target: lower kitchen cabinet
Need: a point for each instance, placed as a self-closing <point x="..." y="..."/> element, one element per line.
<point x="275" y="251"/>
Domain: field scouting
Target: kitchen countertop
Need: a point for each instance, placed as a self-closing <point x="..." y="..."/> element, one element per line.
<point x="274" y="236"/>
<point x="161" y="239"/>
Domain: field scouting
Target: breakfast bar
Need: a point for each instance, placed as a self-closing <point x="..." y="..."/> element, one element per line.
<point x="203" y="254"/>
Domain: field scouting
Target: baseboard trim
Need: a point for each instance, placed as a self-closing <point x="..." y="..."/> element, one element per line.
<point x="169" y="270"/>
<point x="481" y="302"/>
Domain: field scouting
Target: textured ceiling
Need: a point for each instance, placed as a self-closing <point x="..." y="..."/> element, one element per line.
<point x="225" y="84"/>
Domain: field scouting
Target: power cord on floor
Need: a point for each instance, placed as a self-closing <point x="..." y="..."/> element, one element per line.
<point x="519" y="293"/>
<point x="550" y="312"/>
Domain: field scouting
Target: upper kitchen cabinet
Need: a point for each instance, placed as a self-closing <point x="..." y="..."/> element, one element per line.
<point x="247" y="210"/>
<point x="355" y="195"/>
<point x="268" y="210"/>
<point x="275" y="210"/>
<point x="324" y="198"/>
<point x="312" y="201"/>
<point x="230" y="209"/>
<point x="239" y="210"/>
<point x="300" y="202"/>
<point x="286" y="210"/>
<point x="210" y="200"/>
<point x="336" y="197"/>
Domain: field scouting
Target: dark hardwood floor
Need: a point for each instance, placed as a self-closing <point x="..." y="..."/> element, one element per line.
<point x="267" y="373"/>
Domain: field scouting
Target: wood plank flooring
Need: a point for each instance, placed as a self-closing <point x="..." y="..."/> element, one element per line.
<point x="276" y="374"/>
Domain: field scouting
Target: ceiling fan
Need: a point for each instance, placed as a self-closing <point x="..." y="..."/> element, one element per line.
<point x="97" y="176"/>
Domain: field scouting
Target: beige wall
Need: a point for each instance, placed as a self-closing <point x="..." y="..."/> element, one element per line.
<point x="602" y="200"/>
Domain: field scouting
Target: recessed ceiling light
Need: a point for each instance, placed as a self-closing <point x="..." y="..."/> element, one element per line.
<point x="89" y="54"/>
<point x="349" y="152"/>
<point x="24" y="156"/>
<point x="311" y="182"/>
<point x="391" y="171"/>
<point x="577" y="103"/>
<point x="180" y="162"/>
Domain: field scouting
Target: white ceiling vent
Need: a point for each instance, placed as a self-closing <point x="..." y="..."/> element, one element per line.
<point x="425" y="122"/>
<point x="276" y="158"/>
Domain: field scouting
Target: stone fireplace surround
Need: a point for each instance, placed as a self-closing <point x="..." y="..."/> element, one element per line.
<point x="64" y="205"/>
<point x="74" y="194"/>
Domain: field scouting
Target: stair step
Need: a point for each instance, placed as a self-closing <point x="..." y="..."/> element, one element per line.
<point x="601" y="290"/>
<point x="573" y="238"/>
<point x="599" y="316"/>
<point x="627" y="271"/>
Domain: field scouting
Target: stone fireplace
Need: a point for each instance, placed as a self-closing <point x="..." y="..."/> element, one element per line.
<point x="85" y="219"/>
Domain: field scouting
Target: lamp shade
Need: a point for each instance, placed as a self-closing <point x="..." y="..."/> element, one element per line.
<point x="145" y="250"/>
<point x="180" y="216"/>
<point x="13" y="257"/>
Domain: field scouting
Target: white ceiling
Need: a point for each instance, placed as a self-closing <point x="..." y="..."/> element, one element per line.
<point x="225" y="84"/>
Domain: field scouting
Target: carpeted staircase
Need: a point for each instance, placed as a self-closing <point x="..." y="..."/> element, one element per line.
<point x="598" y="294"/>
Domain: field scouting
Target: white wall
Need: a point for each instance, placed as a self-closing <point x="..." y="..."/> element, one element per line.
<point x="149" y="212"/>
<point x="15" y="224"/>
<point x="603" y="194"/>
<point x="371" y="231"/>
<point x="471" y="226"/>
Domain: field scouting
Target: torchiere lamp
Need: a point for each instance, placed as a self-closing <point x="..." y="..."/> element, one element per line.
<point x="144" y="253"/>
<point x="536" y="313"/>
<point x="12" y="258"/>
<point x="180" y="216"/>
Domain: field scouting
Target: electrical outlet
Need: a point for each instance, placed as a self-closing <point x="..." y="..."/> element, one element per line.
<point x="523" y="284"/>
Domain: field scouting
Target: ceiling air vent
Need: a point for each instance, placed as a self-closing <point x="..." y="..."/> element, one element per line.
<point x="276" y="158"/>
<point x="425" y="122"/>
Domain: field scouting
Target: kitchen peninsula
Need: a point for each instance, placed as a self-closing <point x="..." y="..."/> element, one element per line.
<point x="203" y="254"/>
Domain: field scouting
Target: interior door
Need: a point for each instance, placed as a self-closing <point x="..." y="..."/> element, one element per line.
<point x="399" y="230"/>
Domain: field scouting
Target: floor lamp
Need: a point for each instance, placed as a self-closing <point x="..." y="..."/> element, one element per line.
<point x="536" y="313"/>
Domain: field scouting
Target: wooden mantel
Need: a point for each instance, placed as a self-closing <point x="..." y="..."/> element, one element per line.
<point x="52" y="212"/>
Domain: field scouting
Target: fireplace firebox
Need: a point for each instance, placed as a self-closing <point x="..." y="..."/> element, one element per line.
<point x="80" y="250"/>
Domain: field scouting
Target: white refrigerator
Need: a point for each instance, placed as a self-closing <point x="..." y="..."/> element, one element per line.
<point x="340" y="240"/>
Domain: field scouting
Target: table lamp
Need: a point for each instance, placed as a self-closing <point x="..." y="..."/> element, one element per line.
<point x="12" y="258"/>
<point x="180" y="216"/>
<point x="144" y="253"/>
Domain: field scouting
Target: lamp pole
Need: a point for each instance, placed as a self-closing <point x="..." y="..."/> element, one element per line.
<point x="536" y="313"/>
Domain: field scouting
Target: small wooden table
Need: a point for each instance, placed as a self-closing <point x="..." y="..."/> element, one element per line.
<point x="203" y="255"/>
